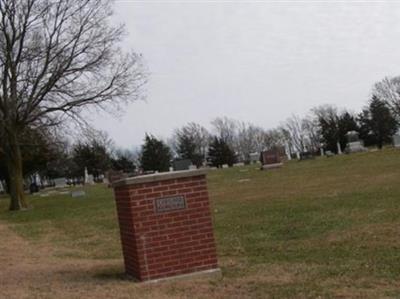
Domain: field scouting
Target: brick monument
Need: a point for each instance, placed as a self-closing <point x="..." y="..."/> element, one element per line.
<point x="165" y="225"/>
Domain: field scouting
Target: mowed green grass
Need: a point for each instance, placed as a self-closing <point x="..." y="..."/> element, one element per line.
<point x="328" y="227"/>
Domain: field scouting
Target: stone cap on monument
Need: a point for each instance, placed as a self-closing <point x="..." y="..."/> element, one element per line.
<point x="162" y="176"/>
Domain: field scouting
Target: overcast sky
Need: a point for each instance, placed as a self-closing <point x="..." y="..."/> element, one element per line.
<point x="255" y="61"/>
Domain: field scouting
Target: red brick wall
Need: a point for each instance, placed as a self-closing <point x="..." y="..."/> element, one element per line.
<point x="162" y="244"/>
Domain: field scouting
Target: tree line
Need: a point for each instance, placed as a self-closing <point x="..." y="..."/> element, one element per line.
<point x="323" y="128"/>
<point x="227" y="142"/>
<point x="230" y="141"/>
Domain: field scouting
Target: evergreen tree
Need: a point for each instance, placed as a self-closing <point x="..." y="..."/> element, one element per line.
<point x="155" y="155"/>
<point x="123" y="163"/>
<point x="378" y="124"/>
<point x="94" y="156"/>
<point x="220" y="153"/>
<point x="347" y="123"/>
<point x="39" y="148"/>
<point x="334" y="127"/>
<point x="330" y="132"/>
<point x="187" y="149"/>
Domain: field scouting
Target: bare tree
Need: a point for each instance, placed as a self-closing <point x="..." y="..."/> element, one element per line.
<point x="226" y="129"/>
<point x="197" y="134"/>
<point x="57" y="58"/>
<point x="245" y="140"/>
<point x="388" y="90"/>
<point x="260" y="139"/>
<point x="311" y="129"/>
<point x="93" y="136"/>
<point x="251" y="139"/>
<point x="294" y="130"/>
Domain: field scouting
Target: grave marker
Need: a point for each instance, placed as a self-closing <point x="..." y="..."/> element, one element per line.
<point x="272" y="158"/>
<point x="60" y="182"/>
<point x="165" y="225"/>
<point x="396" y="140"/>
<point x="354" y="144"/>
<point x="78" y="193"/>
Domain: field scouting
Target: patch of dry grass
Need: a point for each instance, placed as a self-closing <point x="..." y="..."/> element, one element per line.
<point x="326" y="228"/>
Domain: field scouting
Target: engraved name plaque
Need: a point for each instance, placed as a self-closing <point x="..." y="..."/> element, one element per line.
<point x="172" y="203"/>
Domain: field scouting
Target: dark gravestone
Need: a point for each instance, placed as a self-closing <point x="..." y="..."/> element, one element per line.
<point x="33" y="188"/>
<point x="181" y="164"/>
<point x="272" y="158"/>
<point x="306" y="156"/>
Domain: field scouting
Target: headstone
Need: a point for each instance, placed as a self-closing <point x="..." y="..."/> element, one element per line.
<point x="33" y="188"/>
<point x="179" y="239"/>
<point x="306" y="156"/>
<point x="272" y="158"/>
<point x="329" y="154"/>
<point x="1" y="187"/>
<point x="396" y="140"/>
<point x="354" y="144"/>
<point x="192" y="167"/>
<point x="339" y="148"/>
<point x="78" y="193"/>
<point x="60" y="182"/>
<point x="254" y="158"/>
<point x="225" y="166"/>
<point x="243" y="180"/>
<point x="240" y="164"/>
<point x="181" y="164"/>
<point x="90" y="179"/>
<point x="86" y="176"/>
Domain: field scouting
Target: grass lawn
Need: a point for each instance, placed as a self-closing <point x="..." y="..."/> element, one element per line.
<point x="327" y="228"/>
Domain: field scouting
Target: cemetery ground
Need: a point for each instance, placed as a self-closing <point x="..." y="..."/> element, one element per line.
<point x="323" y="228"/>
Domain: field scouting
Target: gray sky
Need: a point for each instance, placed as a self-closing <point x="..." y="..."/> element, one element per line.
<point x="256" y="61"/>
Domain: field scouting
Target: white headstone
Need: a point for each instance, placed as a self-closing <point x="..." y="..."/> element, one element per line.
<point x="78" y="193"/>
<point x="396" y="140"/>
<point x="339" y="148"/>
<point x="238" y="164"/>
<point x="90" y="179"/>
<point x="254" y="157"/>
<point x="355" y="147"/>
<point x="60" y="182"/>
<point x="86" y="176"/>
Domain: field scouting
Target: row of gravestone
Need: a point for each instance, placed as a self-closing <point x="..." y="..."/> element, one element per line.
<point x="273" y="158"/>
<point x="269" y="159"/>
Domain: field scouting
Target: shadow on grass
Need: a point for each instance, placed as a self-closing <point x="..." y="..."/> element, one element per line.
<point x="100" y="272"/>
<point x="114" y="275"/>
